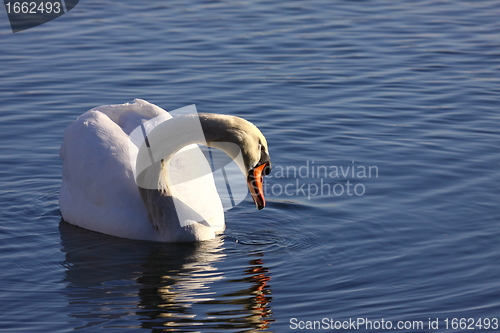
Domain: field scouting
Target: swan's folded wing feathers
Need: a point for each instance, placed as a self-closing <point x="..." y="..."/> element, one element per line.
<point x="98" y="190"/>
<point x="130" y="115"/>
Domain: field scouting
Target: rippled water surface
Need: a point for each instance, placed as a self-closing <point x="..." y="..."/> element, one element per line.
<point x="383" y="124"/>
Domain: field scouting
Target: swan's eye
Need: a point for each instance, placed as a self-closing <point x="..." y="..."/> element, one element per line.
<point x="267" y="170"/>
<point x="262" y="151"/>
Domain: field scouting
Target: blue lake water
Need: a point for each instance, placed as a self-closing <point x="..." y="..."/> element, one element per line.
<point x="408" y="90"/>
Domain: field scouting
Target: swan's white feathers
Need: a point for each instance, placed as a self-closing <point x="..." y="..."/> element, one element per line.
<point x="98" y="190"/>
<point x="130" y="115"/>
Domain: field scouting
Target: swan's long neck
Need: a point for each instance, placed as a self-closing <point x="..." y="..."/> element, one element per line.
<point x="219" y="131"/>
<point x="154" y="158"/>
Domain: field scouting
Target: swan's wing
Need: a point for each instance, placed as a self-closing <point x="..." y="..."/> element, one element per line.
<point x="129" y="116"/>
<point x="98" y="191"/>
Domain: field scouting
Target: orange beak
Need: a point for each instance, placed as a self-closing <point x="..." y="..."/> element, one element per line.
<point x="254" y="182"/>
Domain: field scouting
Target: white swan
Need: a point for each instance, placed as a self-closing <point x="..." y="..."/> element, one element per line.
<point x="99" y="188"/>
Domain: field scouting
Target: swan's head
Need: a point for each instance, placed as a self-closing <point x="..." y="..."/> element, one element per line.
<point x="257" y="164"/>
<point x="243" y="142"/>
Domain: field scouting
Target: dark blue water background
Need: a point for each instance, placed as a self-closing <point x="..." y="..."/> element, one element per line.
<point x="408" y="88"/>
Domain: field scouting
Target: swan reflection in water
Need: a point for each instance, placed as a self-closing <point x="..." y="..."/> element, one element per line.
<point x="120" y="283"/>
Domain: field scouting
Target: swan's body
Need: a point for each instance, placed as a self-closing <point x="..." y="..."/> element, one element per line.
<point x="99" y="191"/>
